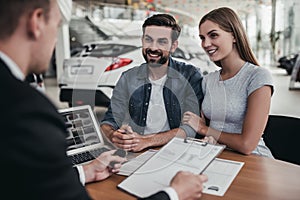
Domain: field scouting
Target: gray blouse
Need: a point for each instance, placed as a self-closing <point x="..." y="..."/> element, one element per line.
<point x="225" y="102"/>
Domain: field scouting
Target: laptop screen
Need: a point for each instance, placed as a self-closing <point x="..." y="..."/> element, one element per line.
<point x="82" y="127"/>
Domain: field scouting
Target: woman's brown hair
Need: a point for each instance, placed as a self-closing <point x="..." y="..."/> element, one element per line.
<point x="229" y="21"/>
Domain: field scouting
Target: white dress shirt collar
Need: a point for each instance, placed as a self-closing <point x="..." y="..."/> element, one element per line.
<point x="13" y="67"/>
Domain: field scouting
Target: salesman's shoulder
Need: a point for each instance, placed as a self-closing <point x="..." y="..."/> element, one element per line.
<point x="19" y="96"/>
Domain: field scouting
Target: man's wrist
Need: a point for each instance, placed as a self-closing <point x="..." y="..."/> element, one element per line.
<point x="171" y="193"/>
<point x="81" y="174"/>
<point x="88" y="173"/>
<point x="149" y="140"/>
<point x="110" y="134"/>
<point x="108" y="130"/>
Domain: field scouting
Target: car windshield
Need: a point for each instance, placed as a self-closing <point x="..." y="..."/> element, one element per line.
<point x="108" y="50"/>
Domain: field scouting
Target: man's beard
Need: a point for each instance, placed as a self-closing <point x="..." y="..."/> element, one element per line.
<point x="156" y="63"/>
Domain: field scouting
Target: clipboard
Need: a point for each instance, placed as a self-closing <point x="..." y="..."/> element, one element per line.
<point x="179" y="154"/>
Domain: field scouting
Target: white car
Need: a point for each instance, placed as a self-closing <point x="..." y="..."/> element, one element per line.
<point x="90" y="77"/>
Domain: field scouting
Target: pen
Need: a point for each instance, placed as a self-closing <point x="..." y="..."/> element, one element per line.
<point x="123" y="131"/>
<point x="119" y="152"/>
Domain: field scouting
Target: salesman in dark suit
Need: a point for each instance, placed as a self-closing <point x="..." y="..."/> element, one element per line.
<point x="34" y="164"/>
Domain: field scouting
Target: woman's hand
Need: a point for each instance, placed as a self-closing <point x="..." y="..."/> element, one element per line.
<point x="196" y="122"/>
<point x="209" y="139"/>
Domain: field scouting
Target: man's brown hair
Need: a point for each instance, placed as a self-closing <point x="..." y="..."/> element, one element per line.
<point x="12" y="10"/>
<point x="165" y="20"/>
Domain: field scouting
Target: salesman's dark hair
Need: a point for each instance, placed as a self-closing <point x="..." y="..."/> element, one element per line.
<point x="12" y="10"/>
<point x="163" y="20"/>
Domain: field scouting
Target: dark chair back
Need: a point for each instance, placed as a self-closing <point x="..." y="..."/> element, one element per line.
<point x="282" y="136"/>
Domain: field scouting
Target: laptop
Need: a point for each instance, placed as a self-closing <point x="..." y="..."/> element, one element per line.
<point x="84" y="138"/>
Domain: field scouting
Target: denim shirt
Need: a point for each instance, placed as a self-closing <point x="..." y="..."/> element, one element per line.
<point x="129" y="103"/>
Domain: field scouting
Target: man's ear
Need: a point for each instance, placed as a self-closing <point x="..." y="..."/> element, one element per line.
<point x="35" y="24"/>
<point x="174" y="46"/>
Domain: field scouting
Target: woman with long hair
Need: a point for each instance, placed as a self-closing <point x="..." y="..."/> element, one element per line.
<point x="237" y="98"/>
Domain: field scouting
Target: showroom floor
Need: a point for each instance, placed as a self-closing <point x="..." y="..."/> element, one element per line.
<point x="284" y="101"/>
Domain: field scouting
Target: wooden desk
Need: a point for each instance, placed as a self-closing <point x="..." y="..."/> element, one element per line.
<point x="259" y="178"/>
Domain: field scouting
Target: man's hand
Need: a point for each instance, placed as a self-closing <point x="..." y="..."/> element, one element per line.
<point x="142" y="144"/>
<point x="129" y="140"/>
<point x="99" y="168"/>
<point x="188" y="185"/>
<point x="125" y="138"/>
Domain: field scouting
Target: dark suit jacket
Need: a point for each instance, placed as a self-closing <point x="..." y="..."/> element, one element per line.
<point x="34" y="164"/>
<point x="158" y="196"/>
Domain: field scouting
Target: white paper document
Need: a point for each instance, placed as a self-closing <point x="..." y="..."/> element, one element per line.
<point x="220" y="175"/>
<point x="133" y="164"/>
<point x="178" y="154"/>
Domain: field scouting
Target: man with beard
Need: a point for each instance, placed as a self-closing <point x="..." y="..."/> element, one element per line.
<point x="148" y="101"/>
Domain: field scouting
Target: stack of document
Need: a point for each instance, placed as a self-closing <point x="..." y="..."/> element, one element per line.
<point x="220" y="175"/>
<point x="179" y="154"/>
<point x="132" y="165"/>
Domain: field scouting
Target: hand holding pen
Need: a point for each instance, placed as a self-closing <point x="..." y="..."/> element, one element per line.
<point x="125" y="138"/>
<point x="125" y="129"/>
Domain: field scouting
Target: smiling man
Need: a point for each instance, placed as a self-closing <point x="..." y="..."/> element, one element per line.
<point x="148" y="101"/>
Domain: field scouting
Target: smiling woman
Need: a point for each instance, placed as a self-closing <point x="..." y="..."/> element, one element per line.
<point x="237" y="97"/>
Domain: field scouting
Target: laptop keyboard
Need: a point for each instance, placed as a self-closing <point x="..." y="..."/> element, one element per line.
<point x="87" y="156"/>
